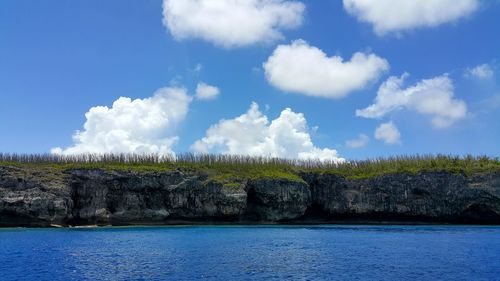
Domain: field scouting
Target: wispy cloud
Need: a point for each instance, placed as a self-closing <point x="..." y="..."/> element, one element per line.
<point x="361" y="141"/>
<point x="482" y="71"/>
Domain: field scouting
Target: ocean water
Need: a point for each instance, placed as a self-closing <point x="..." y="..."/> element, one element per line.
<point x="252" y="253"/>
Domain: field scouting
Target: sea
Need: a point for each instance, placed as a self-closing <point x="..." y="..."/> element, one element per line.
<point x="277" y="252"/>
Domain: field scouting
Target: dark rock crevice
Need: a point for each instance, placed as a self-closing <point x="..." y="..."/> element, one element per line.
<point x="275" y="200"/>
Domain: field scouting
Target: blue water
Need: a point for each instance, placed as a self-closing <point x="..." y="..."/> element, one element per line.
<point x="252" y="253"/>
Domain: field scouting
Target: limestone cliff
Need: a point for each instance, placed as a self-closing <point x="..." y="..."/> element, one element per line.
<point x="86" y="197"/>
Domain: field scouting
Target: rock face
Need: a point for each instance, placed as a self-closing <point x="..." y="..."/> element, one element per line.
<point x="276" y="200"/>
<point x="124" y="198"/>
<point x="90" y="197"/>
<point x="27" y="201"/>
<point x="425" y="197"/>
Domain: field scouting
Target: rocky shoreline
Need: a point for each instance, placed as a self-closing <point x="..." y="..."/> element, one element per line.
<point x="80" y="197"/>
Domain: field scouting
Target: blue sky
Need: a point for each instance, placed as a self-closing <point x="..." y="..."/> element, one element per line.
<point x="59" y="59"/>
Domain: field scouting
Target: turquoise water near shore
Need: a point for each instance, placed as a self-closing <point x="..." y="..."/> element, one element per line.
<point x="252" y="253"/>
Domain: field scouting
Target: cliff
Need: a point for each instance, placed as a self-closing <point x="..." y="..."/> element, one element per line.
<point x="70" y="197"/>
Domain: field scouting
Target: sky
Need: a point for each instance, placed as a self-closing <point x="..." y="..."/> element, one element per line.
<point x="329" y="80"/>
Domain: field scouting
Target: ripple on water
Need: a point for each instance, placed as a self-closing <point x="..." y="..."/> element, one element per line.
<point x="271" y="253"/>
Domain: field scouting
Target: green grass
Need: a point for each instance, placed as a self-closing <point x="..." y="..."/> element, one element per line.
<point x="468" y="165"/>
<point x="232" y="170"/>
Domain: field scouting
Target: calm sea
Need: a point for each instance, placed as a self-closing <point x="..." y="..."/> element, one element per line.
<point x="252" y="253"/>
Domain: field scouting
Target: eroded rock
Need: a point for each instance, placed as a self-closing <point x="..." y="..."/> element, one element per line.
<point x="87" y="197"/>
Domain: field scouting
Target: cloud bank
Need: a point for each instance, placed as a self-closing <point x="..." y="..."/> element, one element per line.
<point x="231" y="23"/>
<point x="253" y="134"/>
<point x="398" y="15"/>
<point x="433" y="97"/>
<point x="305" y="69"/>
<point x="132" y="126"/>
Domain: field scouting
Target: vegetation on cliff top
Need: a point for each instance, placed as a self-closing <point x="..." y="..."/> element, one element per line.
<point x="233" y="168"/>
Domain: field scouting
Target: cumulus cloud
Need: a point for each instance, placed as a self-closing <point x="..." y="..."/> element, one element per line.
<point x="132" y="126"/>
<point x="305" y="69"/>
<point x="206" y="92"/>
<point x="483" y="71"/>
<point x="432" y="97"/>
<point x="252" y="134"/>
<point x="361" y="141"/>
<point x="388" y="133"/>
<point x="231" y="23"/>
<point x="398" y="15"/>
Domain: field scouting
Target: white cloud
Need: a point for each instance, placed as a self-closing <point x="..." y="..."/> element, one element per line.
<point x="231" y="23"/>
<point x="483" y="71"/>
<point x="432" y="97"/>
<point x="307" y="70"/>
<point x="252" y="134"/>
<point x="361" y="141"/>
<point x="132" y="126"/>
<point x="198" y="67"/>
<point x="398" y="15"/>
<point x="206" y="92"/>
<point x="256" y="69"/>
<point x="389" y="133"/>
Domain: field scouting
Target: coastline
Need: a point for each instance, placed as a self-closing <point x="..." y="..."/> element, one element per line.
<point x="98" y="197"/>
<point x="257" y="225"/>
<point x="298" y="223"/>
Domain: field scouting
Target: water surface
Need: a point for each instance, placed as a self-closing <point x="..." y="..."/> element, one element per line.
<point x="252" y="253"/>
